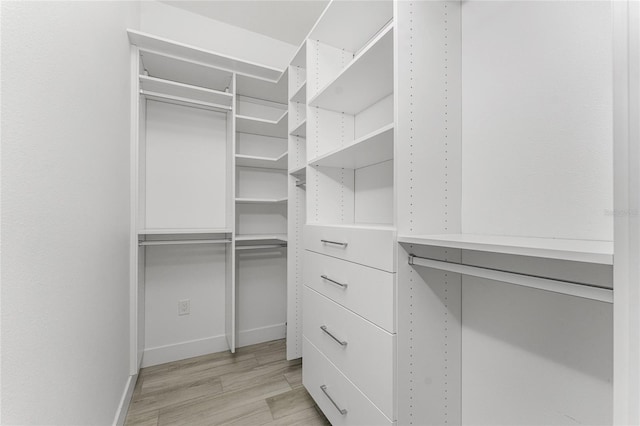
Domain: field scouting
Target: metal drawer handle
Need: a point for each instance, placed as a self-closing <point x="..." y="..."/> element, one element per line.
<point x="324" y="328"/>
<point x="341" y="410"/>
<point x="324" y="277"/>
<point x="338" y="243"/>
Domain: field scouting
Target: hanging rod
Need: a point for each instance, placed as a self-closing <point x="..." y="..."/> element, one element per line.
<point x="586" y="291"/>
<point x="181" y="101"/>
<point x="181" y="242"/>
<point x="261" y="247"/>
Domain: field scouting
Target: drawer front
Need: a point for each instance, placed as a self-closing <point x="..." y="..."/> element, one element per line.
<point x="363" y="352"/>
<point x="366" y="291"/>
<point x="327" y="386"/>
<point x="370" y="247"/>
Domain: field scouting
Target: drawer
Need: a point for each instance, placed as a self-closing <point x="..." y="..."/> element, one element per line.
<point x="366" y="246"/>
<point x="366" y="291"/>
<point x="362" y="351"/>
<point x="319" y="373"/>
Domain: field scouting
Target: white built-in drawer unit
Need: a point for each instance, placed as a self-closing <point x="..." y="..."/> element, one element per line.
<point x="368" y="292"/>
<point x="362" y="351"/>
<point x="367" y="246"/>
<point x="339" y="399"/>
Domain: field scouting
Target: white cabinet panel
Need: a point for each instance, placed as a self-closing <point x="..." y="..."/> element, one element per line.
<point x="362" y="351"/>
<point x="332" y="391"/>
<point x="369" y="292"/>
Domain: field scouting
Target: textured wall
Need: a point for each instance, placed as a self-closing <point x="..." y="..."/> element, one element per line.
<point x="65" y="205"/>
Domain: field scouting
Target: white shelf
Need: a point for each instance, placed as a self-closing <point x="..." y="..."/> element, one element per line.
<point x="369" y="226"/>
<point x="183" y="231"/>
<point x="300" y="57"/>
<point x="186" y="91"/>
<point x="262" y="89"/>
<point x="194" y="74"/>
<point x="261" y="200"/>
<point x="590" y="251"/>
<point x="262" y="237"/>
<point x="301" y="94"/>
<point x="300" y="130"/>
<point x="260" y="126"/>
<point x="300" y="172"/>
<point x="338" y="28"/>
<point x="367" y="79"/>
<point x="370" y="149"/>
<point x="279" y="163"/>
<point x="194" y="54"/>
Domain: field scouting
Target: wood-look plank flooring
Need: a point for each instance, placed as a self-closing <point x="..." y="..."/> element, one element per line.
<point x="254" y="386"/>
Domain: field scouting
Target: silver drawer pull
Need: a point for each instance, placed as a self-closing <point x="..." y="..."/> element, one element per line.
<point x="324" y="277"/>
<point x="341" y="410"/>
<point x="338" y="243"/>
<point x="324" y="328"/>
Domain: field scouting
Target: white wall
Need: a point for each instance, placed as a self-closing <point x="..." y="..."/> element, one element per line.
<point x="196" y="30"/>
<point x="65" y="199"/>
<point x="537" y="155"/>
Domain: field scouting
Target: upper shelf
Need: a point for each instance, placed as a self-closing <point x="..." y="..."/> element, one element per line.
<point x="185" y="91"/>
<point x="299" y="173"/>
<point x="349" y="24"/>
<point x="301" y="94"/>
<point x="262" y="89"/>
<point x="370" y="149"/>
<point x="367" y="79"/>
<point x="279" y="163"/>
<point x="590" y="251"/>
<point x="172" y="69"/>
<point x="260" y="126"/>
<point x="195" y="54"/>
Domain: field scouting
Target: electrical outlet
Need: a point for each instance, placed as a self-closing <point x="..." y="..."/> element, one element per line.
<point x="184" y="307"/>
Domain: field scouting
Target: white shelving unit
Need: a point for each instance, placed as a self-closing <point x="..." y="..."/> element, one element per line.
<point x="206" y="210"/>
<point x="349" y="235"/>
<point x="505" y="258"/>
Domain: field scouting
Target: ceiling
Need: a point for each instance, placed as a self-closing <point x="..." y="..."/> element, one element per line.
<point x="286" y="20"/>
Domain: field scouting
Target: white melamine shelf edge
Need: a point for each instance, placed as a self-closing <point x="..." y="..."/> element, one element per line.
<point x="261" y="200"/>
<point x="262" y="120"/>
<point x="183" y="90"/>
<point x="300" y="130"/>
<point x="367" y="79"/>
<point x="589" y="251"/>
<point x="278" y="163"/>
<point x="300" y="94"/>
<point x="367" y="150"/>
<point x="261" y="237"/>
<point x="183" y="231"/>
<point x="372" y="226"/>
<point x="209" y="58"/>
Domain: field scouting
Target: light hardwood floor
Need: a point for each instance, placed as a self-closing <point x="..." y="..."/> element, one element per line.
<point x="254" y="386"/>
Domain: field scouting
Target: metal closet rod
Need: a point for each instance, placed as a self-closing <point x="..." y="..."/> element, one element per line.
<point x="181" y="242"/>
<point x="583" y="290"/>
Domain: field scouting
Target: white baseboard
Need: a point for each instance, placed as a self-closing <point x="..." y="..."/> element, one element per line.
<point x="123" y="408"/>
<point x="183" y="350"/>
<point x="261" y="334"/>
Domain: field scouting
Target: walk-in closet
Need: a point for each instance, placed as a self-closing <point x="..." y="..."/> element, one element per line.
<point x="321" y="212"/>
